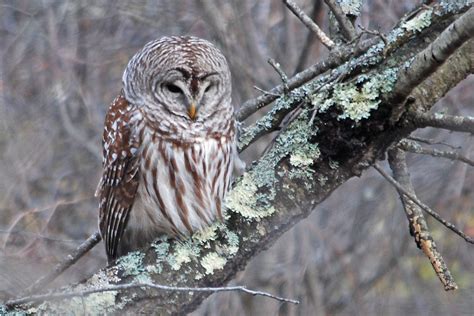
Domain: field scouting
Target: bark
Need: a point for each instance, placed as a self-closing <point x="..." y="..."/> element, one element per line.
<point x="344" y="126"/>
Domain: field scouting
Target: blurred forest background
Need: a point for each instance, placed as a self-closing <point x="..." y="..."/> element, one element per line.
<point x="61" y="66"/>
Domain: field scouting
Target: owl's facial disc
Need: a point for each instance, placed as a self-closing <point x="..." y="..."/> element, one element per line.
<point x="191" y="94"/>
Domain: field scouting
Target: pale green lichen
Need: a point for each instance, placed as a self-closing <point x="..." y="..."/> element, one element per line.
<point x="350" y="7"/>
<point x="305" y="155"/>
<point x="161" y="247"/>
<point x="333" y="164"/>
<point x="322" y="179"/>
<point x="261" y="230"/>
<point x="253" y="195"/>
<point x="177" y="254"/>
<point x="208" y="233"/>
<point x="183" y="252"/>
<point x="418" y="23"/>
<point x="453" y="6"/>
<point x="243" y="199"/>
<point x="232" y="242"/>
<point x="92" y="304"/>
<point x="357" y="98"/>
<point x="132" y="263"/>
<point x="264" y="123"/>
<point x="212" y="261"/>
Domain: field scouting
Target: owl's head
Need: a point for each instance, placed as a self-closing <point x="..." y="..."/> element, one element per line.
<point x="186" y="77"/>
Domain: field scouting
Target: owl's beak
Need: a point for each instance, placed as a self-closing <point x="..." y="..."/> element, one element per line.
<point x="192" y="111"/>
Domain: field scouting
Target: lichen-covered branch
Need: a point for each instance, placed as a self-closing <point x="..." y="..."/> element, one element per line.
<point x="343" y="127"/>
<point x="417" y="223"/>
<point x="427" y="61"/>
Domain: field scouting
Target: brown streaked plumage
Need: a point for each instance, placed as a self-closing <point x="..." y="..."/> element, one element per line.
<point x="169" y="145"/>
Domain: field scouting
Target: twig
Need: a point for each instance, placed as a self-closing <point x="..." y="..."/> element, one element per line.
<point x="423" y="206"/>
<point x="37" y="235"/>
<point x="417" y="149"/>
<point x="431" y="142"/>
<point x="309" y="41"/>
<point x="281" y="73"/>
<point x="309" y="23"/>
<point x="346" y="26"/>
<point x="265" y="91"/>
<point x="119" y="287"/>
<point x="444" y="121"/>
<point x="70" y="259"/>
<point x="418" y="226"/>
<point x="376" y="33"/>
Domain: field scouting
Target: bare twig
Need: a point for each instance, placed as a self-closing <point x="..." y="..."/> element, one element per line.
<point x="376" y="33"/>
<point x="417" y="149"/>
<point x="38" y="235"/>
<point x="347" y="28"/>
<point x="309" y="41"/>
<point x="120" y="287"/>
<point x="449" y="122"/>
<point x="423" y="206"/>
<point x="309" y="23"/>
<point x="70" y="259"/>
<point x="281" y="73"/>
<point x="265" y="91"/>
<point x="418" y="226"/>
<point x="431" y="142"/>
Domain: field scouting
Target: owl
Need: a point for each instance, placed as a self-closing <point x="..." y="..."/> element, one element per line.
<point x="169" y="145"/>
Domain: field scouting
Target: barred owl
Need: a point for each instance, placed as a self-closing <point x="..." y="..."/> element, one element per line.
<point x="168" y="145"/>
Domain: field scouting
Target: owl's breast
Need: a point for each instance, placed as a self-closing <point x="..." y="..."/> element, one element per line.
<point x="182" y="185"/>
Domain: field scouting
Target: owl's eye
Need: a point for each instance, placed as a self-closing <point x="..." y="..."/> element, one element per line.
<point x="173" y="88"/>
<point x="208" y="88"/>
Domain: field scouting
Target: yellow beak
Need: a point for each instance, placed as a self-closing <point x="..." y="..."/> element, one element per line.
<point x="192" y="111"/>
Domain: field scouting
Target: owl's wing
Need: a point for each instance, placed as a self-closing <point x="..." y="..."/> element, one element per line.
<point x="118" y="185"/>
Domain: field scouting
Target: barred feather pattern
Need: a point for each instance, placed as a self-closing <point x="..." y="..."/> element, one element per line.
<point x="165" y="173"/>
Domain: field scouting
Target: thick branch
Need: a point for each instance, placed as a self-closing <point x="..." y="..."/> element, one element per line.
<point x="432" y="57"/>
<point x="450" y="122"/>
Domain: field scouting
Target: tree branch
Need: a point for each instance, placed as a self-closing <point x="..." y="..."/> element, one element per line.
<point x="417" y="223"/>
<point x="309" y="23"/>
<point x="70" y="259"/>
<point x="455" y="123"/>
<point x="423" y="206"/>
<point x="417" y="149"/>
<point x="346" y="25"/>
<point x="432" y="57"/>
<point x="121" y="287"/>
